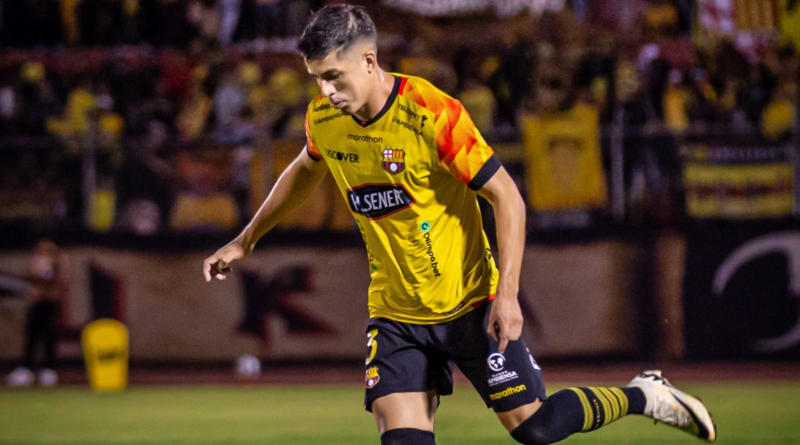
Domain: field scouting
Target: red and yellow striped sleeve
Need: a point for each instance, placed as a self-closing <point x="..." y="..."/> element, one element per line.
<point x="311" y="146"/>
<point x="461" y="148"/>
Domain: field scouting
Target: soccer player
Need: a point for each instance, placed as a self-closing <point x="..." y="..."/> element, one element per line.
<point x="410" y="164"/>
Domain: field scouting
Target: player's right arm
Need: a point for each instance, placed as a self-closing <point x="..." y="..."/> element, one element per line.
<point x="294" y="186"/>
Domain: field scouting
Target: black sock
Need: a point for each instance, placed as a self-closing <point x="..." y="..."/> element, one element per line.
<point x="407" y="436"/>
<point x="578" y="410"/>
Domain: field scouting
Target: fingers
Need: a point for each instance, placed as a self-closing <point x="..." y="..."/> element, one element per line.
<point x="503" y="345"/>
<point x="207" y="269"/>
<point x="215" y="267"/>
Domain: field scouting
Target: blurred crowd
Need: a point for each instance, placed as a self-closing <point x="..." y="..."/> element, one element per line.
<point x="175" y="98"/>
<point x="175" y="23"/>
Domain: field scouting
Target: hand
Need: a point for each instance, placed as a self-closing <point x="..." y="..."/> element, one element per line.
<point x="505" y="320"/>
<point x="218" y="265"/>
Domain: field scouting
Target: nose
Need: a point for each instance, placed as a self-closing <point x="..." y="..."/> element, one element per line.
<point x="327" y="88"/>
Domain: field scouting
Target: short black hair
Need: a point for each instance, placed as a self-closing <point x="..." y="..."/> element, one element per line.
<point x="336" y="28"/>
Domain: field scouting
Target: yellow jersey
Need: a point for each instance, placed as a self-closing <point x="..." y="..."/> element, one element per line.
<point x="409" y="176"/>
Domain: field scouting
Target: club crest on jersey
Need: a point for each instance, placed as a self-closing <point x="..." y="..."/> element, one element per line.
<point x="394" y="160"/>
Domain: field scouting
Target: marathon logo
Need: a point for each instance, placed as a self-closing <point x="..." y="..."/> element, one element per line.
<point x="322" y="107"/>
<point x="408" y="111"/>
<point x="407" y="126"/>
<point x="364" y="138"/>
<point x="508" y="392"/>
<point x="502" y="377"/>
<point x="322" y="120"/>
<point x="434" y="263"/>
<point x="378" y="200"/>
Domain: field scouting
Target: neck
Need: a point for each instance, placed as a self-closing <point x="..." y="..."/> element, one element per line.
<point x="377" y="98"/>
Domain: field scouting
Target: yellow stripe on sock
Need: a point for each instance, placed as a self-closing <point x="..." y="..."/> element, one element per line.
<point x="606" y="404"/>
<point x="587" y="409"/>
<point x="610" y="415"/>
<point x="616" y="411"/>
<point x="623" y="398"/>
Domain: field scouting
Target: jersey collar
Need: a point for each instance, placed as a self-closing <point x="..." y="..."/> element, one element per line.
<point x="386" y="106"/>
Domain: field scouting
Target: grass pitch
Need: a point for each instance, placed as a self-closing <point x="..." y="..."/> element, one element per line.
<point x="746" y="413"/>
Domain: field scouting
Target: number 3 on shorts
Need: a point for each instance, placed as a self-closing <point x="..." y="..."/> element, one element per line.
<point x="372" y="345"/>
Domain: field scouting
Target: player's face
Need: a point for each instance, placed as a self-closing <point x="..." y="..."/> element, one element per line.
<point x="344" y="77"/>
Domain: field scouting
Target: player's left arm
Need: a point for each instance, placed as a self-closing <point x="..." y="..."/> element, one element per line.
<point x="505" y="319"/>
<point x="467" y="156"/>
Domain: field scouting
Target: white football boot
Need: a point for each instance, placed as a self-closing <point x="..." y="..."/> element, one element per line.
<point x="668" y="404"/>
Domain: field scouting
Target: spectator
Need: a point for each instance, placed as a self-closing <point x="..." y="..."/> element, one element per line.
<point x="677" y="100"/>
<point x="779" y="116"/>
<point x="70" y="21"/>
<point x="204" y="16"/>
<point x="47" y="292"/>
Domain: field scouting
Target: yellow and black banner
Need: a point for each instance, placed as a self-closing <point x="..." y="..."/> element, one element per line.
<point x="738" y="181"/>
<point x="563" y="163"/>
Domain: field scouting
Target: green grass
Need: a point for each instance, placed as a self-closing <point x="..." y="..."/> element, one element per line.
<point x="746" y="413"/>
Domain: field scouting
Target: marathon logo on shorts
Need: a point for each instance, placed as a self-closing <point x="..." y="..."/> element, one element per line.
<point x="371" y="378"/>
<point x="378" y="200"/>
<point x="508" y="392"/>
<point x="502" y="377"/>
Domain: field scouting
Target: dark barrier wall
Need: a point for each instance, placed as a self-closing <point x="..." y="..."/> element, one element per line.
<point x="742" y="290"/>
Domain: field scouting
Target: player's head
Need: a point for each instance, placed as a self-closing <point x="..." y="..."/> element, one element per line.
<point x="339" y="46"/>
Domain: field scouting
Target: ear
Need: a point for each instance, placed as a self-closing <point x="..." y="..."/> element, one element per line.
<point x="371" y="61"/>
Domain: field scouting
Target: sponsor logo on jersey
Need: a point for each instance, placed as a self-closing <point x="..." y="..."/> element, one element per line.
<point x="496" y="362"/>
<point x="407" y="126"/>
<point x="342" y="156"/>
<point x="371" y="377"/>
<point x="364" y="138"/>
<point x="408" y="111"/>
<point x="508" y="392"/>
<point x="394" y="160"/>
<point x="322" y="107"/>
<point x="378" y="200"/>
<point x="434" y="263"/>
<point x="322" y="120"/>
<point x="502" y="377"/>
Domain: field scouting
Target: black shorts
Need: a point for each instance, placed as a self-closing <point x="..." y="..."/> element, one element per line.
<point x="404" y="357"/>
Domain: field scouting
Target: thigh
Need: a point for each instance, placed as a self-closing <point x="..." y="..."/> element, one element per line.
<point x="504" y="381"/>
<point x="398" y="361"/>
